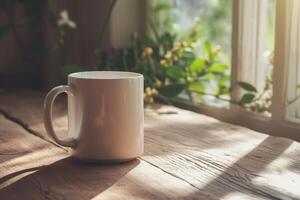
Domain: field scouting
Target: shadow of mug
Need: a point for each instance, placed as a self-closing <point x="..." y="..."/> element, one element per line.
<point x="66" y="178"/>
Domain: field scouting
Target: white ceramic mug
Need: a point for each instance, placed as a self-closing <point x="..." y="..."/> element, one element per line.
<point x="105" y="115"/>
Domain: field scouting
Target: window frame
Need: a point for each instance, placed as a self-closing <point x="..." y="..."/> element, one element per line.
<point x="278" y="124"/>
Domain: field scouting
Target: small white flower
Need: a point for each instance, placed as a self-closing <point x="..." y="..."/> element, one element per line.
<point x="64" y="20"/>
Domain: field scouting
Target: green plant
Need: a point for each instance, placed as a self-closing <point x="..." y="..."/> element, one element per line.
<point x="172" y="66"/>
<point x="170" y="60"/>
<point x="252" y="100"/>
<point x="255" y="101"/>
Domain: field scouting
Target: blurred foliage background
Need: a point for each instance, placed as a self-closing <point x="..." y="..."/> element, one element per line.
<point x="185" y="54"/>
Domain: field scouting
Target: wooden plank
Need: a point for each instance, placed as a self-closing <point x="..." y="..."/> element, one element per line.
<point x="35" y="169"/>
<point x="27" y="108"/>
<point x="220" y="160"/>
<point x="22" y="153"/>
<point x="224" y="160"/>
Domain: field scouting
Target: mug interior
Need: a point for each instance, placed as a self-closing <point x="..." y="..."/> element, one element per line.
<point x="105" y="75"/>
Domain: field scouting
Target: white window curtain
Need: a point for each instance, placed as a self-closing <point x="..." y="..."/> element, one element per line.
<point x="248" y="36"/>
<point x="292" y="53"/>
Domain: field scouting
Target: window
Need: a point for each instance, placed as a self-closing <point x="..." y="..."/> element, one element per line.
<point x="255" y="38"/>
<point x="286" y="56"/>
<point x="264" y="52"/>
<point x="253" y="42"/>
<point x="293" y="62"/>
<point x="215" y="19"/>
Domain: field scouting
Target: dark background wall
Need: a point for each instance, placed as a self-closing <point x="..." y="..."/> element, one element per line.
<point x="19" y="71"/>
<point x="15" y="70"/>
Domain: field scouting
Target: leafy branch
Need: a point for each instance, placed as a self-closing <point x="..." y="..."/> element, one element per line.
<point x="173" y="67"/>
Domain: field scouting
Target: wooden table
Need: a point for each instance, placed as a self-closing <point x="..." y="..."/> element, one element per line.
<point x="187" y="156"/>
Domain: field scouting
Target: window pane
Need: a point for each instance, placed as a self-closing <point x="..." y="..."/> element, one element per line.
<point x="215" y="20"/>
<point x="215" y="27"/>
<point x="264" y="68"/>
<point x="293" y="63"/>
<point x="256" y="28"/>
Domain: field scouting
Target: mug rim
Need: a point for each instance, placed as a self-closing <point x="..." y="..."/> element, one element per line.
<point x="105" y="75"/>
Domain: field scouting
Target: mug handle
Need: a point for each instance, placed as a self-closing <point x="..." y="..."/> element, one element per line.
<point x="48" y="104"/>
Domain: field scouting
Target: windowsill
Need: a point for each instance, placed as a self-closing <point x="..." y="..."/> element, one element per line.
<point x="239" y="116"/>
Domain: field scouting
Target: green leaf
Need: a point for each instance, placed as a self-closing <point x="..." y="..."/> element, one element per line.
<point x="247" y="98"/>
<point x="225" y="79"/>
<point x="207" y="47"/>
<point x="210" y="76"/>
<point x="168" y="22"/>
<point x="196" y="87"/>
<point x="68" y="69"/>
<point x="223" y="89"/>
<point x="171" y="90"/>
<point x="167" y="40"/>
<point x="187" y="57"/>
<point x="224" y="85"/>
<point x="197" y="65"/>
<point x="247" y="86"/>
<point x="4" y="29"/>
<point x="161" y="6"/>
<point x="150" y="42"/>
<point x="175" y="72"/>
<point x="219" y="68"/>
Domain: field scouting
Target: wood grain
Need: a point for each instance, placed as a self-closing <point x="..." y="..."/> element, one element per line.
<point x="221" y="159"/>
<point x="187" y="156"/>
<point x="26" y="108"/>
<point x="35" y="169"/>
